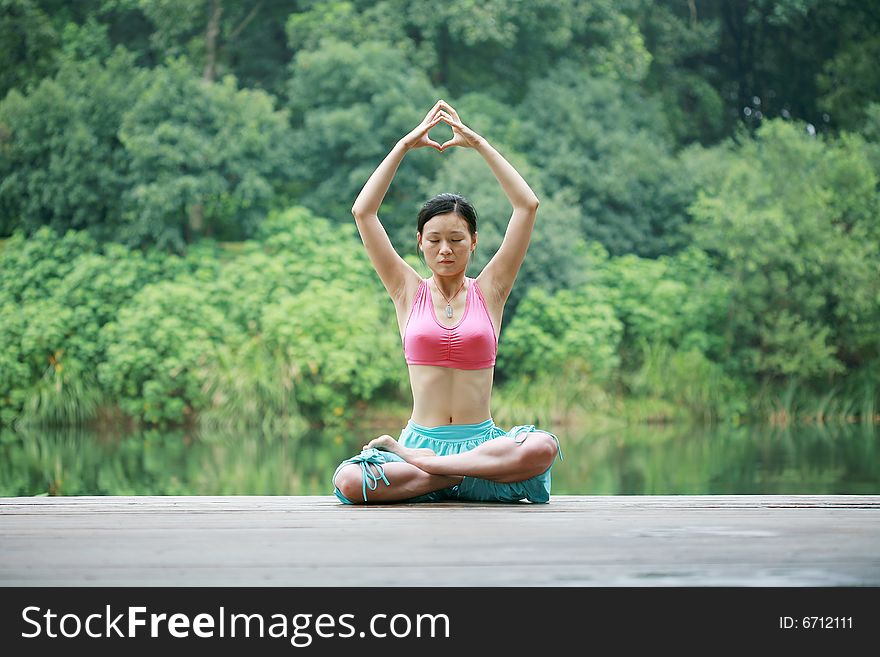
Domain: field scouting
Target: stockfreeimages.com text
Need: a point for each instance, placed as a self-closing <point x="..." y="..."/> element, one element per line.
<point x="301" y="629"/>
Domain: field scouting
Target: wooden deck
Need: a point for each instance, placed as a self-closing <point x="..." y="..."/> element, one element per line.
<point x="314" y="541"/>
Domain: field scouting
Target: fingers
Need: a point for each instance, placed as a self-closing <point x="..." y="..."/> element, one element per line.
<point x="442" y="112"/>
<point x="446" y="118"/>
<point x="450" y="108"/>
<point x="427" y="126"/>
<point x="442" y="105"/>
<point x="430" y="114"/>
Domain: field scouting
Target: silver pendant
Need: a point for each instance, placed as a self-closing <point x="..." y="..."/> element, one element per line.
<point x="449" y="310"/>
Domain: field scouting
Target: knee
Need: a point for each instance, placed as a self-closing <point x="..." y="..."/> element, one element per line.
<point x="350" y="482"/>
<point x="539" y="450"/>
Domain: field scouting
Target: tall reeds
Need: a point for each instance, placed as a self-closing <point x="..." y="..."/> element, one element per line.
<point x="249" y="388"/>
<point x="798" y="402"/>
<point x="61" y="399"/>
<point x="688" y="380"/>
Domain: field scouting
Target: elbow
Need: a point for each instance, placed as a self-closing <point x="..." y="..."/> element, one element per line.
<point x="532" y="204"/>
<point x="360" y="214"/>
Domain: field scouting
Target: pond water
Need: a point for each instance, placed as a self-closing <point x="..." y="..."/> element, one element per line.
<point x="642" y="460"/>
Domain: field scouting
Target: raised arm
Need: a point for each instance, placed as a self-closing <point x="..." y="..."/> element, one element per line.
<point x="499" y="275"/>
<point x="392" y="269"/>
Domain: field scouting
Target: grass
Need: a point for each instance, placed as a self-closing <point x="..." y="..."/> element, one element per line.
<point x="61" y="400"/>
<point x="796" y="403"/>
<point x="248" y="388"/>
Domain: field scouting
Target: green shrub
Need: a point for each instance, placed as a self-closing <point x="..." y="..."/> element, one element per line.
<point x="158" y="350"/>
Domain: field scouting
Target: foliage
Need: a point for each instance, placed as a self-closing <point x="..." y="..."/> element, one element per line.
<point x="253" y="338"/>
<point x="64" y="289"/>
<point x="495" y="46"/>
<point x="654" y="327"/>
<point x="317" y="315"/>
<point x="691" y="381"/>
<point x="676" y="39"/>
<point x="350" y="105"/>
<point x="338" y="343"/>
<point x="61" y="162"/>
<point x="146" y="157"/>
<point x="205" y="158"/>
<point x="158" y="348"/>
<point x="612" y="156"/>
<point x="792" y="224"/>
<point x="708" y="176"/>
<point x="678" y="301"/>
<point x="27" y="44"/>
<point x="572" y="326"/>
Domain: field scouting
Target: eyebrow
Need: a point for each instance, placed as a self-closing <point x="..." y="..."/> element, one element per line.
<point x="454" y="232"/>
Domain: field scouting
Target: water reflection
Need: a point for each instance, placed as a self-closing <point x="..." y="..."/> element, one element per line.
<point x="634" y="460"/>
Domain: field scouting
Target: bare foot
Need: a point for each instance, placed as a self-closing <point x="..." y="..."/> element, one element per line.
<point x="388" y="444"/>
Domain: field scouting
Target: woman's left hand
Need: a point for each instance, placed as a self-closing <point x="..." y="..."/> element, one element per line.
<point x="461" y="134"/>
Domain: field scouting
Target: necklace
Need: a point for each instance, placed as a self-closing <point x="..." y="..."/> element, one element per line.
<point x="449" y="301"/>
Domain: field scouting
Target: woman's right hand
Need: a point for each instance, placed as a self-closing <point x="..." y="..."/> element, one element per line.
<point x="418" y="137"/>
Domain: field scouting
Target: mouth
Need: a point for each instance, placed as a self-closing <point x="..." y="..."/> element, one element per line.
<point x="446" y="262"/>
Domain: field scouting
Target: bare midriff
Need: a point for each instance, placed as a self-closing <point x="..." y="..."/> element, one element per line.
<point x="443" y="395"/>
<point x="446" y="395"/>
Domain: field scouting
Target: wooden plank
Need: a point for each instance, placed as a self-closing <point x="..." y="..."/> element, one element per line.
<point x="11" y="505"/>
<point x="729" y="540"/>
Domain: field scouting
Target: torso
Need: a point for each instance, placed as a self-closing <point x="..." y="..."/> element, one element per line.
<point x="444" y="395"/>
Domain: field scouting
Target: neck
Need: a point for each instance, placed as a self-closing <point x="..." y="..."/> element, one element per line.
<point x="449" y="286"/>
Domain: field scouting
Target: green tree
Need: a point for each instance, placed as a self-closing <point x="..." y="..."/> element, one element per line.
<point x="350" y="105"/>
<point x="493" y="46"/>
<point x="792" y="222"/>
<point x="206" y="158"/>
<point x="28" y="42"/>
<point x="57" y="292"/>
<point x="679" y="301"/>
<point x="747" y="61"/>
<point x="220" y="37"/>
<point x="146" y="157"/>
<point x="682" y="41"/>
<point x="61" y="162"/>
<point x="609" y="147"/>
<point x="158" y="349"/>
<point x="572" y="328"/>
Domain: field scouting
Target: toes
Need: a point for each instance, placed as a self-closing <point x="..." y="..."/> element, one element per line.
<point x="382" y="441"/>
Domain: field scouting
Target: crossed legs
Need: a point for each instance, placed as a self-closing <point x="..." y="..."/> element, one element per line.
<point x="502" y="460"/>
<point x="409" y="481"/>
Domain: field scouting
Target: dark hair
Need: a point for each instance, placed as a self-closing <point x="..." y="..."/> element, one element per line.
<point x="446" y="203"/>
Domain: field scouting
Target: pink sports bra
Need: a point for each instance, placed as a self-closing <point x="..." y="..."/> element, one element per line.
<point x="469" y="345"/>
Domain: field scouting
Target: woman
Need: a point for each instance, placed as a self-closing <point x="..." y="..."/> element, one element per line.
<point x="450" y="449"/>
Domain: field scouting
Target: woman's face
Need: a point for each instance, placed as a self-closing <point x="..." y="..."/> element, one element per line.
<point x="446" y="243"/>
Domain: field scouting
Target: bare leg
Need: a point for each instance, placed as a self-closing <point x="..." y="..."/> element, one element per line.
<point x="501" y="459"/>
<point x="407" y="481"/>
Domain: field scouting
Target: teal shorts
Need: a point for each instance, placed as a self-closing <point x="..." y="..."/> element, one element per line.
<point x="454" y="439"/>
